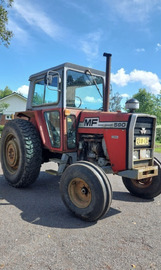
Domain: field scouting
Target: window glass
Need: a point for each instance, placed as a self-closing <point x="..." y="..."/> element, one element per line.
<point x="71" y="131"/>
<point x="84" y="90"/>
<point x="44" y="94"/>
<point x="53" y="126"/>
<point x="8" y="117"/>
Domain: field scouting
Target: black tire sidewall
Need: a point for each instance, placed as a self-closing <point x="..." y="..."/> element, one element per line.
<point x="106" y="182"/>
<point x="149" y="192"/>
<point x="97" y="187"/>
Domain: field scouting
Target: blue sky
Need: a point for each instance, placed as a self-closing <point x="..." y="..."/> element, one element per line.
<point x="51" y="32"/>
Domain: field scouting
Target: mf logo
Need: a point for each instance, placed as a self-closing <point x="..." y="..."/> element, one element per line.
<point x="90" y="122"/>
<point x="143" y="131"/>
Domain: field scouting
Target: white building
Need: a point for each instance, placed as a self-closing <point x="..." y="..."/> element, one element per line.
<point x="16" y="103"/>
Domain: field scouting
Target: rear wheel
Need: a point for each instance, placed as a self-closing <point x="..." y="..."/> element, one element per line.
<point x="147" y="188"/>
<point x="21" y="153"/>
<point x="83" y="191"/>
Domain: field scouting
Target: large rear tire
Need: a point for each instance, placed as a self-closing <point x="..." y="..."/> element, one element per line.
<point x="21" y="153"/>
<point x="146" y="188"/>
<point x="83" y="191"/>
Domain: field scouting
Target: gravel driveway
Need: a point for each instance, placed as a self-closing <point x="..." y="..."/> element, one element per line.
<point x="37" y="232"/>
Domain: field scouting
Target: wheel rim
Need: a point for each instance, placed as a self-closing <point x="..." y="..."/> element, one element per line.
<point x="143" y="183"/>
<point x="79" y="193"/>
<point x="11" y="153"/>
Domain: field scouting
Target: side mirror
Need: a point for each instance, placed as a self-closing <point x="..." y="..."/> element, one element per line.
<point x="49" y="79"/>
<point x="53" y="80"/>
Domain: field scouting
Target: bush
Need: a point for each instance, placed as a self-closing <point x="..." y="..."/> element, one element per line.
<point x="158" y="134"/>
<point x="1" y="128"/>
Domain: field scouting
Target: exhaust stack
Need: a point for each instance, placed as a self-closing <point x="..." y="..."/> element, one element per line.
<point x="107" y="83"/>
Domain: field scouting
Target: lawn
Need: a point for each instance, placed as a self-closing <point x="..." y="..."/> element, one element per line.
<point x="158" y="147"/>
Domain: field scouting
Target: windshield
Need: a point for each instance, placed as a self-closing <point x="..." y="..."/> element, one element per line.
<point x="84" y="90"/>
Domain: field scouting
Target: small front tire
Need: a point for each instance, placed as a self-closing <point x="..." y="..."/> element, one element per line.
<point x="106" y="182"/>
<point x="83" y="191"/>
<point x="146" y="188"/>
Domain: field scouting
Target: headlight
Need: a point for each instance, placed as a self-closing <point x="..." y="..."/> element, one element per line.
<point x="142" y="154"/>
<point x="148" y="153"/>
<point x="136" y="155"/>
<point x="145" y="153"/>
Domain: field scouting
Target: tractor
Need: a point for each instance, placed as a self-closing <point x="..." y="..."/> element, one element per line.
<point x="67" y="121"/>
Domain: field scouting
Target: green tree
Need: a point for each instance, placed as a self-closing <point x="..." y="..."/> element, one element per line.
<point x="157" y="109"/>
<point x="3" y="107"/>
<point x="115" y="102"/>
<point x="5" y="34"/>
<point x="7" y="91"/>
<point x="149" y="103"/>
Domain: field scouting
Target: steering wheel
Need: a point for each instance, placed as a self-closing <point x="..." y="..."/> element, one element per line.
<point x="79" y="101"/>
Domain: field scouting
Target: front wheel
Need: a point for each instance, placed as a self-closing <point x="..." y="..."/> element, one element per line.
<point x="147" y="188"/>
<point x="106" y="182"/>
<point x="83" y="191"/>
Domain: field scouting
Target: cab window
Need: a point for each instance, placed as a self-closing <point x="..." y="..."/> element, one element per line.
<point x="43" y="94"/>
<point x="71" y="131"/>
<point x="53" y="126"/>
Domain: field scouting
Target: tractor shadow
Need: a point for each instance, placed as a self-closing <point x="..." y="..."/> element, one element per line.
<point x="127" y="197"/>
<point x="41" y="203"/>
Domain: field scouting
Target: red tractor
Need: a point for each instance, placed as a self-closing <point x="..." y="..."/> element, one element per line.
<point x="68" y="121"/>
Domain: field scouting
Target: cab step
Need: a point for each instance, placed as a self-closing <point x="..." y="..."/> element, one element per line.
<point x="52" y="172"/>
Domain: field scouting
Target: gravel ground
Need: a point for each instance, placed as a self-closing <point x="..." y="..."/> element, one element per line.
<point x="37" y="232"/>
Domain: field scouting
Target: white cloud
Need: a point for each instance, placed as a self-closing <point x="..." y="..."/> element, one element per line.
<point x="158" y="47"/>
<point x="124" y="95"/>
<point x="83" y="8"/>
<point x="36" y="17"/>
<point x="92" y="100"/>
<point x="148" y="79"/>
<point x="133" y="10"/>
<point x="19" y="33"/>
<point x="139" y="50"/>
<point x="90" y="45"/>
<point x="120" y="78"/>
<point x="23" y="90"/>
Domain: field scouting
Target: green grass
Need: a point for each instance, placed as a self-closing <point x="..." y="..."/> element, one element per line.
<point x="158" y="147"/>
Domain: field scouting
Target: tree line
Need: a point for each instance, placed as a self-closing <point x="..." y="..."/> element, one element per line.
<point x="148" y="103"/>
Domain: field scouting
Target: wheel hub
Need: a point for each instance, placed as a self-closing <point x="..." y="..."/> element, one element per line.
<point x="84" y="190"/>
<point x="79" y="193"/>
<point x="12" y="155"/>
<point x="144" y="183"/>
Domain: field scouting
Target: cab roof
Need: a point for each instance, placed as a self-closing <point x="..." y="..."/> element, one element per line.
<point x="70" y="66"/>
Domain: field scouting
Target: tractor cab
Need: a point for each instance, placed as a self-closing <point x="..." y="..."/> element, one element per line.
<point x="60" y="94"/>
<point x="67" y="86"/>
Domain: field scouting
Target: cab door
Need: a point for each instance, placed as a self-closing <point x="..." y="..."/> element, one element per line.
<point x="71" y="120"/>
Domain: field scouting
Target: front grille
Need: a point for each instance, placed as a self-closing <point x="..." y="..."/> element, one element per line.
<point x="143" y="129"/>
<point x="144" y="140"/>
<point x="141" y="139"/>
